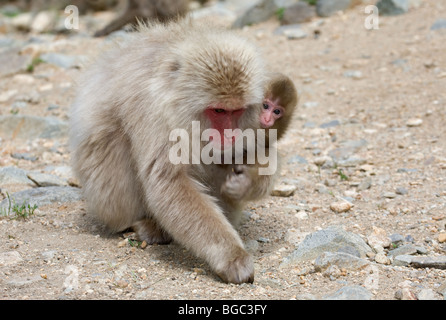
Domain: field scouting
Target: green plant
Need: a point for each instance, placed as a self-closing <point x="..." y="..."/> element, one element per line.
<point x="23" y="211"/>
<point x="342" y="175"/>
<point x="311" y="2"/>
<point x="279" y="13"/>
<point x="34" y="63"/>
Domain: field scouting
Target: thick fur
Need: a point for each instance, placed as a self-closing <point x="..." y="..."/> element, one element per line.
<point x="162" y="78"/>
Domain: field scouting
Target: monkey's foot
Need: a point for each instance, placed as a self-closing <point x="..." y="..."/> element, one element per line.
<point x="147" y="230"/>
<point x="238" y="270"/>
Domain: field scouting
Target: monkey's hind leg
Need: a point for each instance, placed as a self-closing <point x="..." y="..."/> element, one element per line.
<point x="149" y="231"/>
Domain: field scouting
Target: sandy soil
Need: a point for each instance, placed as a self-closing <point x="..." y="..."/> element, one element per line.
<point x="64" y="255"/>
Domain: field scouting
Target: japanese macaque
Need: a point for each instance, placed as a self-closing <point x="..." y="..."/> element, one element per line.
<point x="154" y="10"/>
<point x="236" y="187"/>
<point x="278" y="106"/>
<point x="163" y="78"/>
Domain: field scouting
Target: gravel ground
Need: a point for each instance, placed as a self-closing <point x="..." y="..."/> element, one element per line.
<point x="366" y="152"/>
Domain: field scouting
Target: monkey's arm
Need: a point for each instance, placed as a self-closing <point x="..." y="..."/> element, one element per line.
<point x="194" y="220"/>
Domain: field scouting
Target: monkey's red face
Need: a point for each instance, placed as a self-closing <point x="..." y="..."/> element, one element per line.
<point x="270" y="113"/>
<point x="221" y="119"/>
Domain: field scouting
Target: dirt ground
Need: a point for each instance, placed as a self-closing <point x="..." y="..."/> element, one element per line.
<point x="402" y="65"/>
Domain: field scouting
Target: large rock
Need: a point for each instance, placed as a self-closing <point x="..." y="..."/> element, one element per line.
<point x="14" y="175"/>
<point x="332" y="239"/>
<point x="12" y="62"/>
<point x="259" y="12"/>
<point x="325" y="8"/>
<point x="393" y="7"/>
<point x="31" y="127"/>
<point x="44" y="196"/>
<point x="350" y="293"/>
<point x="298" y="13"/>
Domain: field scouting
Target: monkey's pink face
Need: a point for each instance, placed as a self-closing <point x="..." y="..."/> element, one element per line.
<point x="222" y="119"/>
<point x="270" y="113"/>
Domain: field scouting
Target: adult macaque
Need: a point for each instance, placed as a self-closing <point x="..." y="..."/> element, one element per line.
<point x="162" y="78"/>
<point x="154" y="10"/>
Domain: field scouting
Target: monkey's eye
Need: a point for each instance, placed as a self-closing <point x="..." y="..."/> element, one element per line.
<point x="277" y="111"/>
<point x="219" y="110"/>
<point x="265" y="106"/>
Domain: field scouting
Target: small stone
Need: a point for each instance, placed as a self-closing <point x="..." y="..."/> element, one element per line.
<point x="389" y="195"/>
<point x="320" y="161"/>
<point x="442" y="237"/>
<point x="283" y="191"/>
<point x="330" y="124"/>
<point x="403" y="250"/>
<point x="10" y="258"/>
<point x="381" y="258"/>
<point x="301" y="215"/>
<point x="439" y="24"/>
<point x="354" y="74"/>
<point x="378" y="237"/>
<point x="414" y="122"/>
<point x="401" y="191"/>
<point x="405" y="294"/>
<point x="340" y="206"/>
<point x="427" y="294"/>
<point x="402" y="260"/>
<point x="364" y="184"/>
<point x="294" y="34"/>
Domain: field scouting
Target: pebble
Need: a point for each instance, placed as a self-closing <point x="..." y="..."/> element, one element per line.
<point x="340" y="206"/>
<point x="439" y="24"/>
<point x="427" y="294"/>
<point x="442" y="237"/>
<point x="414" y="122"/>
<point x="354" y="74"/>
<point x="389" y="195"/>
<point x="401" y="191"/>
<point x="330" y="124"/>
<point x="403" y="250"/>
<point x="10" y="258"/>
<point x="283" y="190"/>
<point x="364" y="184"/>
<point x="378" y="237"/>
<point x="405" y="294"/>
<point x="381" y="258"/>
<point x="402" y="260"/>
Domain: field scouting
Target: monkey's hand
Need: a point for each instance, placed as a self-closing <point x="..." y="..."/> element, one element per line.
<point x="237" y="184"/>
